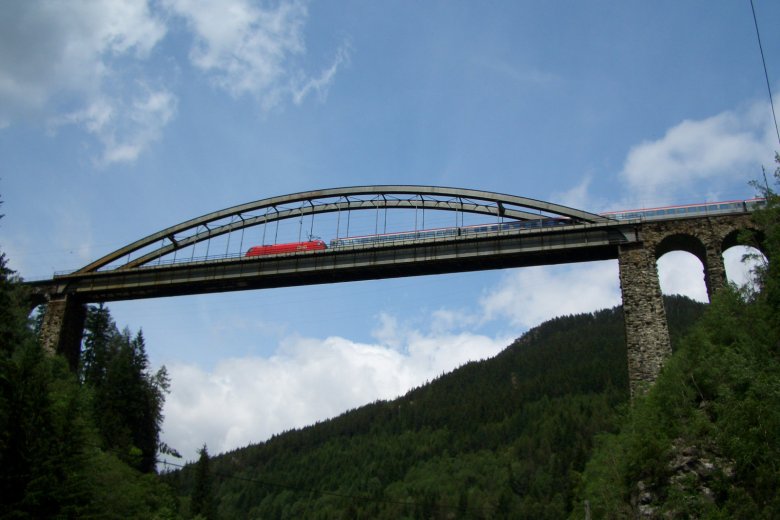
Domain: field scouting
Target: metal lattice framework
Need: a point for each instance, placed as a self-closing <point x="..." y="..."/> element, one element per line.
<point x="298" y="205"/>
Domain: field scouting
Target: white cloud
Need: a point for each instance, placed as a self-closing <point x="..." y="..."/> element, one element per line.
<point x="682" y="273"/>
<point x="577" y="196"/>
<point x="123" y="128"/>
<point x="247" y="49"/>
<point x="50" y="48"/>
<point x="530" y="296"/>
<point x="730" y="145"/>
<point x="320" y="85"/>
<point x="248" y="399"/>
<point x="388" y="331"/>
<point x="61" y="54"/>
<point x="87" y="63"/>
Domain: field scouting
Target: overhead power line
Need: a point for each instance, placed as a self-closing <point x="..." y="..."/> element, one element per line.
<point x="766" y="74"/>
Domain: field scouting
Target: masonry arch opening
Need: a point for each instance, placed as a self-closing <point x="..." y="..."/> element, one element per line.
<point x="681" y="272"/>
<point x="741" y="263"/>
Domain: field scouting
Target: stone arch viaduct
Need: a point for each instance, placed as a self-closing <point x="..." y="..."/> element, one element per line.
<point x="513" y="232"/>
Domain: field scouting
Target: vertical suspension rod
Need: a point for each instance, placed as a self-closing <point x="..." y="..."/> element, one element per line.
<point x="241" y="243"/>
<point x="311" y="230"/>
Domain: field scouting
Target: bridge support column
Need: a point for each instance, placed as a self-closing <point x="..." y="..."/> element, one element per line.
<point x="714" y="270"/>
<point x="647" y="333"/>
<point x="62" y="328"/>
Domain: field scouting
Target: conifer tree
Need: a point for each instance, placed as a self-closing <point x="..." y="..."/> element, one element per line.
<point x="128" y="399"/>
<point x="42" y="432"/>
<point x="202" y="500"/>
<point x="96" y="352"/>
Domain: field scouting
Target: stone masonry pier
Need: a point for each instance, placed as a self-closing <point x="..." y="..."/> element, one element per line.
<point x="647" y="334"/>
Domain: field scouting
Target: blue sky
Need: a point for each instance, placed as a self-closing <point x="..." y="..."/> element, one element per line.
<point x="120" y="118"/>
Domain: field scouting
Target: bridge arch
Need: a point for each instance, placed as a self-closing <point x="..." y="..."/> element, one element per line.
<point x="689" y="243"/>
<point x="682" y="248"/>
<point x="298" y="205"/>
<point x="707" y="240"/>
<point x="736" y="237"/>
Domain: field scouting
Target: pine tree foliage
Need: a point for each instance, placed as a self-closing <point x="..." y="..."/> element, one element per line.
<point x="97" y="346"/>
<point x="128" y="398"/>
<point x="202" y="500"/>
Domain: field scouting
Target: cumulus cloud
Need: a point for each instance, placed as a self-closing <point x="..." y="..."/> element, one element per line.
<point x="124" y="127"/>
<point x="249" y="399"/>
<point x="580" y="197"/>
<point x="717" y="149"/>
<point x="59" y="57"/>
<point x="250" y="50"/>
<point x="89" y="64"/>
<point x="682" y="273"/>
<point x="50" y="47"/>
<point x="529" y="296"/>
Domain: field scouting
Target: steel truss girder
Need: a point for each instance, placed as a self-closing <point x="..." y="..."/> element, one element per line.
<point x="462" y="200"/>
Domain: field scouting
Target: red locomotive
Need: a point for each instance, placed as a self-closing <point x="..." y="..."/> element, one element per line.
<point x="294" y="247"/>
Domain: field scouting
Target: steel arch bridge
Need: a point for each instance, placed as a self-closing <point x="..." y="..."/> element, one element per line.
<point x="536" y="233"/>
<point x="513" y="231"/>
<point x="168" y="241"/>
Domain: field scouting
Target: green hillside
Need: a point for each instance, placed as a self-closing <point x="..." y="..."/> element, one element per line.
<point x="499" y="438"/>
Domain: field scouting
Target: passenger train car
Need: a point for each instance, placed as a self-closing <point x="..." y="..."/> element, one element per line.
<point x="705" y="208"/>
<point x="708" y="208"/>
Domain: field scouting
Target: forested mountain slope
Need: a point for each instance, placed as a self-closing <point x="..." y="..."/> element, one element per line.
<point x="498" y="438"/>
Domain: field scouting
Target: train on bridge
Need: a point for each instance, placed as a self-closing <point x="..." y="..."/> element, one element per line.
<point x="666" y="212"/>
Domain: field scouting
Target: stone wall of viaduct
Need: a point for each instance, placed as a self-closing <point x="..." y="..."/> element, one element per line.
<point x="647" y="334"/>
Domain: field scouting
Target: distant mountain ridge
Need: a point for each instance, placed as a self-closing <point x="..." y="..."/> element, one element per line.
<point x="497" y="438"/>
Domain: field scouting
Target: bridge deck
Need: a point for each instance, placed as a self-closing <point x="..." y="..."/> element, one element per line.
<point x="574" y="243"/>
